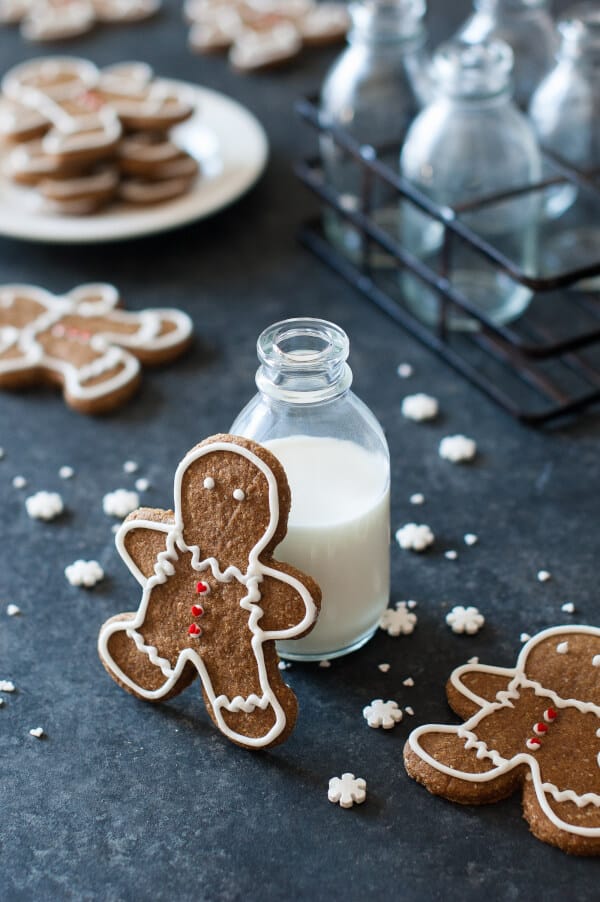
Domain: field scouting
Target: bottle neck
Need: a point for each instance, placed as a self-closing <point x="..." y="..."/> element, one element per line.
<point x="510" y="7"/>
<point x="388" y="22"/>
<point x="303" y="361"/>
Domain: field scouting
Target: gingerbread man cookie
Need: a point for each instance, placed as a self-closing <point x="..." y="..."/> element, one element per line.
<point x="214" y="600"/>
<point x="82" y="342"/>
<point x="534" y="727"/>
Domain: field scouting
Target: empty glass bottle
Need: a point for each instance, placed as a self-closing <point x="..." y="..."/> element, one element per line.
<point x="527" y="27"/>
<point x="471" y="143"/>
<point x="565" y="109"/>
<point x="373" y="91"/>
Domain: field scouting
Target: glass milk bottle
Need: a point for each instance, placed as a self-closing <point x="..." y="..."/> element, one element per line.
<point x="337" y="462"/>
<point x="527" y="27"/>
<point x="373" y="91"/>
<point x="472" y="142"/>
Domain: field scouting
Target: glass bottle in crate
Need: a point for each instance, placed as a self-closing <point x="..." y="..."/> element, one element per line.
<point x="373" y="92"/>
<point x="337" y="463"/>
<point x="565" y="109"/>
<point x="471" y="143"/>
<point x="527" y="27"/>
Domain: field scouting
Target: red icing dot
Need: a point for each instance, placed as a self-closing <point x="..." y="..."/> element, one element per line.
<point x="197" y="610"/>
<point x="194" y="630"/>
<point x="540" y="728"/>
<point x="201" y="587"/>
<point x="533" y="743"/>
<point x="550" y="714"/>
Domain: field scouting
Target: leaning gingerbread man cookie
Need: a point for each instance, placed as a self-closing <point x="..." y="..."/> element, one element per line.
<point x="83" y="342"/>
<point x="535" y="727"/>
<point x="214" y="600"/>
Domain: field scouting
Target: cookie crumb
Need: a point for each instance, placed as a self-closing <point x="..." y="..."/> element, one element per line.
<point x="142" y="484"/>
<point x="451" y="555"/>
<point x="383" y="667"/>
<point x="419" y="407"/>
<point x="457" y="448"/>
<point x="414" y="537"/>
<point x="347" y="790"/>
<point x="409" y="710"/>
<point x="568" y="607"/>
<point x="13" y="610"/>
<point x="84" y="573"/>
<point x="324" y="663"/>
<point x="543" y="576"/>
<point x="405" y="370"/>
<point x="417" y="498"/>
<point x="465" y="620"/>
<point x="7" y="686"/>
<point x="408" y="682"/>
<point x="37" y="732"/>
<point x="19" y="482"/>
<point x="524" y="637"/>
<point x="399" y="622"/>
<point x="66" y="472"/>
<point x="120" y="503"/>
<point x="382" y="714"/>
<point x="470" y="538"/>
<point x="44" y="505"/>
<point x="131" y="466"/>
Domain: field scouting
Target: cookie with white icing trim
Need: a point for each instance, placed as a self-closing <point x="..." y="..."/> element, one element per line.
<point x="214" y="600"/>
<point x="83" y="342"/>
<point x="534" y="728"/>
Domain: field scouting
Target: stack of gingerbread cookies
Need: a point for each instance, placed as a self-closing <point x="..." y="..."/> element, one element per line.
<point x="261" y="34"/>
<point x="84" y="137"/>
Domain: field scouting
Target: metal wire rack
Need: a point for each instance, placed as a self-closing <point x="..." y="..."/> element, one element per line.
<point x="544" y="366"/>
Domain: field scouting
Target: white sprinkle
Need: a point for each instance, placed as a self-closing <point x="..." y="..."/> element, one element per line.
<point x="474" y="660"/>
<point x="120" y="503"/>
<point x="1" y="453"/>
<point x="419" y="407"/>
<point x="382" y="714"/>
<point x="239" y="494"/>
<point x="451" y="555"/>
<point x="408" y="682"/>
<point x="1" y="702"/>
<point x="465" y="620"/>
<point x="562" y="648"/>
<point x="383" y="667"/>
<point x="415" y="537"/>
<point x="543" y="576"/>
<point x="66" y="472"/>
<point x="405" y="370"/>
<point x="7" y="686"/>
<point x="568" y="607"/>
<point x="411" y="604"/>
<point x="596" y="660"/>
<point x="347" y="790"/>
<point x="19" y="482"/>
<point x="115" y="528"/>
<point x="457" y="448"/>
<point x="284" y="665"/>
<point x="470" y="538"/>
<point x="13" y="610"/>
<point x="409" y="710"/>
<point x="37" y="732"/>
<point x="44" y="505"/>
<point x="131" y="466"/>
<point x="417" y="498"/>
<point x="84" y="573"/>
<point x="524" y="637"/>
<point x="324" y="663"/>
<point x="142" y="484"/>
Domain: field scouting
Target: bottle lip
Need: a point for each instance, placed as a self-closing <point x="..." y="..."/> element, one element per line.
<point x="388" y="19"/>
<point x="580" y="29"/>
<point x="463" y="69"/>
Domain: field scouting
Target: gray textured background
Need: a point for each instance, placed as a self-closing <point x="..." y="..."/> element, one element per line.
<point x="125" y="801"/>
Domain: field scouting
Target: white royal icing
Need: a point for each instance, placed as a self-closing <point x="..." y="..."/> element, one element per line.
<point x="251" y="579"/>
<point x="517" y="681"/>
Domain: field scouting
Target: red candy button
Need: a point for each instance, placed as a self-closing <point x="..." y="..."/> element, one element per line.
<point x="197" y="610"/>
<point x="533" y="744"/>
<point x="194" y="630"/>
<point x="550" y="714"/>
<point x="202" y="587"/>
<point x="540" y="728"/>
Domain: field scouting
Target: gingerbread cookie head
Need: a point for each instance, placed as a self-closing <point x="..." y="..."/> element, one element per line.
<point x="214" y="600"/>
<point x="536" y="727"/>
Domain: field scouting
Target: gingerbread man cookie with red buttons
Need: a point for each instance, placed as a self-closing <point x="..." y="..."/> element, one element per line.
<point x="213" y="598"/>
<point x="533" y="728"/>
<point x="83" y="342"/>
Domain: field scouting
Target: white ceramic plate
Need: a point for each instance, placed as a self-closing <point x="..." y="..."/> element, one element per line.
<point x="225" y="138"/>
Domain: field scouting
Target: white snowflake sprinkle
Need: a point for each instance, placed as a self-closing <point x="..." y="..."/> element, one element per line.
<point x="324" y="663"/>
<point x="13" y="610"/>
<point x="7" y="686"/>
<point x="382" y="714"/>
<point x="524" y="637"/>
<point x="383" y="667"/>
<point x="120" y="503"/>
<point x="37" y="732"/>
<point x="131" y="466"/>
<point x="408" y="682"/>
<point x="543" y="576"/>
<point x="414" y="537"/>
<point x="451" y="555"/>
<point x="44" y="505"/>
<point x="1" y="702"/>
<point x="457" y="448"/>
<point x="142" y="484"/>
<point x="419" y="407"/>
<point x="84" y="573"/>
<point x="1" y="453"/>
<point x="568" y="607"/>
<point x="465" y="620"/>
<point x="66" y="472"/>
<point x="409" y="710"/>
<point x="470" y="538"/>
<point x="405" y="370"/>
<point x="19" y="482"/>
<point x="284" y="665"/>
<point x="417" y="498"/>
<point x="347" y="790"/>
<point x="399" y="622"/>
<point x="411" y="604"/>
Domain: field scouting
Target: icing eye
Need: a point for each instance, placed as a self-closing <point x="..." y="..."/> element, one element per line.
<point x="239" y="494"/>
<point x="596" y="661"/>
<point x="562" y="648"/>
<point x="209" y="483"/>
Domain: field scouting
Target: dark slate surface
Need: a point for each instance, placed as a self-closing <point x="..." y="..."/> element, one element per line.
<point x="125" y="801"/>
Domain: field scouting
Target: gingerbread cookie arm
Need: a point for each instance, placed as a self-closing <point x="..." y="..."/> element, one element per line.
<point x="573" y="827"/>
<point x="473" y="685"/>
<point x="290" y="602"/>
<point x="141" y="538"/>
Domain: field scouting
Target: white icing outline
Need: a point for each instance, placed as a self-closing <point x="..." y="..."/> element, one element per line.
<point x="251" y="579"/>
<point x="465" y="731"/>
<point x="89" y="300"/>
